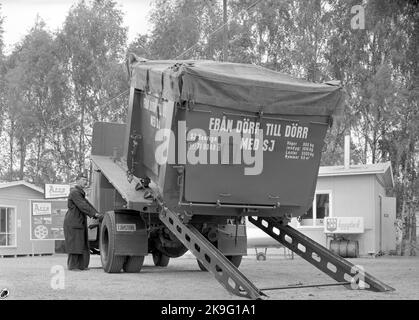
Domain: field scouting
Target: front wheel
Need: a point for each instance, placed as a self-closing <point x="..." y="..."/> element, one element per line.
<point x="133" y="264"/>
<point x="111" y="262"/>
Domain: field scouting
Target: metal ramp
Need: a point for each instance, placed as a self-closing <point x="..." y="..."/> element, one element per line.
<point x="333" y="265"/>
<point x="214" y="261"/>
<point x="344" y="272"/>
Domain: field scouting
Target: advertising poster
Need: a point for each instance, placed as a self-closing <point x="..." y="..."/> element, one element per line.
<point x="56" y="191"/>
<point x="47" y="219"/>
<point x="344" y="225"/>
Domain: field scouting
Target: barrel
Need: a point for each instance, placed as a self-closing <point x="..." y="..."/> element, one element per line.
<point x="345" y="248"/>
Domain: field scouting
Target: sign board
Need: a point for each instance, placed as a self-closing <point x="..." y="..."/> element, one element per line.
<point x="56" y="191"/>
<point x="47" y="219"/>
<point x="41" y="208"/>
<point x="344" y="225"/>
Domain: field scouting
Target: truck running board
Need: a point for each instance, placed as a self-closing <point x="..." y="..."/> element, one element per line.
<point x="214" y="261"/>
<point x="333" y="265"/>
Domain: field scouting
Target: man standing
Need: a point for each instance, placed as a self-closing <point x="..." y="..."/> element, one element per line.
<point x="75" y="225"/>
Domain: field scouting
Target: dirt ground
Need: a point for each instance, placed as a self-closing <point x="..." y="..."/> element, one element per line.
<point x="36" y="277"/>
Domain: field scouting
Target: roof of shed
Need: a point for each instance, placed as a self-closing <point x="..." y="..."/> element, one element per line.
<point x="382" y="170"/>
<point x="21" y="183"/>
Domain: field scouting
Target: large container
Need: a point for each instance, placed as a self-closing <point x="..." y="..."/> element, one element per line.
<point x="345" y="248"/>
<point x="225" y="134"/>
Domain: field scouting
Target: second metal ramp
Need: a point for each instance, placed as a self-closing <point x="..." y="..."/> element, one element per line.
<point x="333" y="265"/>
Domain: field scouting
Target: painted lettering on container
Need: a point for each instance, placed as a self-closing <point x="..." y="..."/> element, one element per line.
<point x="246" y="126"/>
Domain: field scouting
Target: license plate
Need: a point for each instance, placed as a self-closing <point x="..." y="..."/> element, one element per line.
<point x="126" y="227"/>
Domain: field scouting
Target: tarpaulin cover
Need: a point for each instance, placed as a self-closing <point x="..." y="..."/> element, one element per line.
<point x="237" y="86"/>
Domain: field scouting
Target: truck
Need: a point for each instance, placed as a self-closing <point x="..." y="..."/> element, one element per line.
<point x="206" y="146"/>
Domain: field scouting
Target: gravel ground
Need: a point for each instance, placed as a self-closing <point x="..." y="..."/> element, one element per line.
<point x="34" y="278"/>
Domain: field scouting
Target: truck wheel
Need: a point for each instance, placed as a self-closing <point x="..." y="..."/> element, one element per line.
<point x="160" y="259"/>
<point x="133" y="264"/>
<point x="111" y="262"/>
<point x="235" y="260"/>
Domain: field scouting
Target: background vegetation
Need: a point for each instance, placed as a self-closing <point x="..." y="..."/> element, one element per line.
<point x="54" y="86"/>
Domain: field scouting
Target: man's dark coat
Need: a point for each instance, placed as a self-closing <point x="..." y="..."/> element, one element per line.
<point x="75" y="221"/>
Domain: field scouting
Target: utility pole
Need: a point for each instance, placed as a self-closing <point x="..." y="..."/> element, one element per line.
<point x="225" y="30"/>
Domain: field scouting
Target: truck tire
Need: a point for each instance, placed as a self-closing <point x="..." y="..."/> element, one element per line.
<point x="133" y="264"/>
<point x="235" y="260"/>
<point x="160" y="259"/>
<point x="111" y="262"/>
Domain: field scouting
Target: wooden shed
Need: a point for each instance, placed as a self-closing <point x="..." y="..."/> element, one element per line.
<point x="357" y="195"/>
<point x="15" y="220"/>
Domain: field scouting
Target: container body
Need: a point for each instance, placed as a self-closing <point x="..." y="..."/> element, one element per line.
<point x="204" y="155"/>
<point x="234" y="137"/>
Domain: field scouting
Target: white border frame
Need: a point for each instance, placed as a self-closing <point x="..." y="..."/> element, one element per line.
<point x="15" y="208"/>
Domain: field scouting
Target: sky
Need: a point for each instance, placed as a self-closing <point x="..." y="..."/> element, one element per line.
<point x="19" y="16"/>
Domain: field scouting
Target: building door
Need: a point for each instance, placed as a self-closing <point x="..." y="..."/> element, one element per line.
<point x="388" y="228"/>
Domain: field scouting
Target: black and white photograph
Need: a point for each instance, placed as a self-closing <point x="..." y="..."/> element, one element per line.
<point x="209" y="156"/>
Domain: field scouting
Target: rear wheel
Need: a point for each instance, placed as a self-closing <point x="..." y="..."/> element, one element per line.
<point x="236" y="260"/>
<point x="111" y="262"/>
<point x="133" y="264"/>
<point x="160" y="259"/>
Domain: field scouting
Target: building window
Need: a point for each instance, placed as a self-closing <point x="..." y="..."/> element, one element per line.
<point x="320" y="209"/>
<point x="7" y="227"/>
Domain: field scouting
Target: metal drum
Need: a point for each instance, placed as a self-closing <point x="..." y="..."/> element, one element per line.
<point x="352" y="249"/>
<point x="334" y="246"/>
<point x="345" y="248"/>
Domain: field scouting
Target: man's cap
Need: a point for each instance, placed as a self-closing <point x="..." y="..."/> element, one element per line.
<point x="81" y="175"/>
